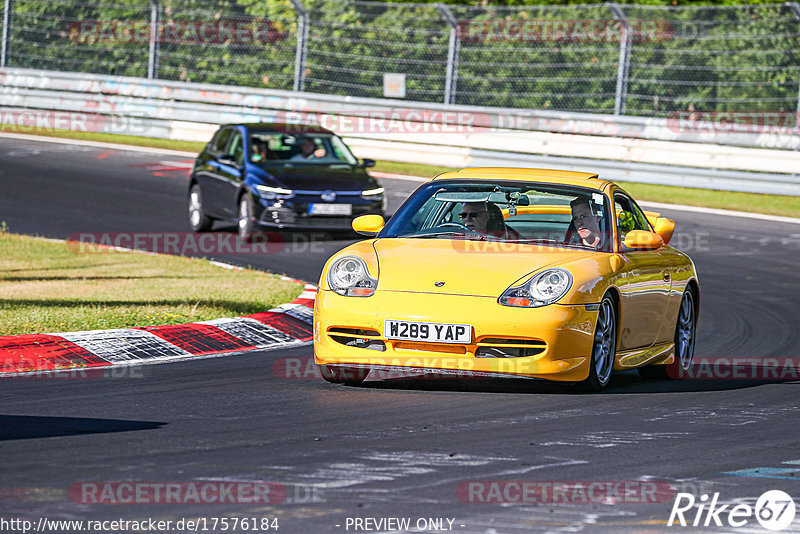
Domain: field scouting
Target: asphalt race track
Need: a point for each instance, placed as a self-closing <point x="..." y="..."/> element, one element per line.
<point x="400" y="447"/>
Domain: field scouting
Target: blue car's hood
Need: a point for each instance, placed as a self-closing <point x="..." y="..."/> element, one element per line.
<point x="319" y="177"/>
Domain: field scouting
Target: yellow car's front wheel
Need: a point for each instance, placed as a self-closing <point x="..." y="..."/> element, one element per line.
<point x="604" y="348"/>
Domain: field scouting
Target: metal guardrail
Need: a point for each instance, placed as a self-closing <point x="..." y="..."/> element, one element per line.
<point x="623" y="148"/>
<point x="12" y="80"/>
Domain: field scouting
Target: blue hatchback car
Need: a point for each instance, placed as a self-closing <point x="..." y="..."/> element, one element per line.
<point x="276" y="176"/>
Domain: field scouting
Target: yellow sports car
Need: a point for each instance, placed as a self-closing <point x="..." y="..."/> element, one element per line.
<point x="532" y="273"/>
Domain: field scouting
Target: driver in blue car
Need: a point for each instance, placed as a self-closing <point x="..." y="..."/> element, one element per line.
<point x="308" y="151"/>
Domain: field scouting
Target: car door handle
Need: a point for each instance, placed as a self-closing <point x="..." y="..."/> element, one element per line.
<point x="666" y="277"/>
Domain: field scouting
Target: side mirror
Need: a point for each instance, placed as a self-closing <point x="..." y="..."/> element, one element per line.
<point x="665" y="228"/>
<point x="368" y="225"/>
<point x="228" y="160"/>
<point x="652" y="216"/>
<point x="643" y="239"/>
<point x="367" y="163"/>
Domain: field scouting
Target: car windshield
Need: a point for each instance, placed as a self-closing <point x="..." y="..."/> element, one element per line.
<point x="519" y="212"/>
<point x="269" y="148"/>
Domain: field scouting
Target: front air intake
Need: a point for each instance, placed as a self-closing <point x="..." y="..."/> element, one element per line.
<point x="492" y="347"/>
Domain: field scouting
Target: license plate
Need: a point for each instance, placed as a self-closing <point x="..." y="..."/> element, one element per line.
<point x="430" y="332"/>
<point x="330" y="209"/>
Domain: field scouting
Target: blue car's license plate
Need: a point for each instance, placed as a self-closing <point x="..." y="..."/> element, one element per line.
<point x="330" y="209"/>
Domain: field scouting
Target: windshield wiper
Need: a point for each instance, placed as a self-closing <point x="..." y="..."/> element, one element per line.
<point x="444" y="233"/>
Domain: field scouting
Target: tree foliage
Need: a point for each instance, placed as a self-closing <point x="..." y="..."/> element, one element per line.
<point x="716" y="56"/>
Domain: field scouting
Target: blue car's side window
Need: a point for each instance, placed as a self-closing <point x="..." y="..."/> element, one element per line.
<point x="221" y="140"/>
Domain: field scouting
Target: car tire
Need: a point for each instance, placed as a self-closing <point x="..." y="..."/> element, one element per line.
<point x="685" y="329"/>
<point x="198" y="220"/>
<point x="604" y="348"/>
<point x="244" y="220"/>
<point x="337" y="374"/>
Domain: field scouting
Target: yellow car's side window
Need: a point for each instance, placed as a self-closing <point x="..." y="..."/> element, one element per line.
<point x="625" y="222"/>
<point x="628" y="217"/>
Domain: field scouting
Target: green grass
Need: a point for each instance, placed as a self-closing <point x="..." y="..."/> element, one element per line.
<point x="412" y="169"/>
<point x="788" y="206"/>
<point x="785" y="205"/>
<point x="50" y="287"/>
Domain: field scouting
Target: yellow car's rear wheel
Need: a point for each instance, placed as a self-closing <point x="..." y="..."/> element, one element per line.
<point x="685" y="330"/>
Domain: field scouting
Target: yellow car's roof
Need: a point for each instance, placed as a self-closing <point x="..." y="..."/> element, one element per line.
<point x="584" y="179"/>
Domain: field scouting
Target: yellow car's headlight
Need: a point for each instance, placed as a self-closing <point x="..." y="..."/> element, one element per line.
<point x="350" y="277"/>
<point x="545" y="288"/>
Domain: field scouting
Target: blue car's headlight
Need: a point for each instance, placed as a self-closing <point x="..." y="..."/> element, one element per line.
<point x="545" y="288"/>
<point x="372" y="192"/>
<point x="272" y="193"/>
<point x="350" y="277"/>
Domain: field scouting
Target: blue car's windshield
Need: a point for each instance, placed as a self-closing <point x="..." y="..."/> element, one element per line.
<point x="268" y="148"/>
<point x="509" y="211"/>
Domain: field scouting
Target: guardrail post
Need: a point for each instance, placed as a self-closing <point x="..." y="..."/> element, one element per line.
<point x="9" y="5"/>
<point x="302" y="44"/>
<point x="624" y="59"/>
<point x="155" y="22"/>
<point x="453" y="49"/>
<point x="796" y="10"/>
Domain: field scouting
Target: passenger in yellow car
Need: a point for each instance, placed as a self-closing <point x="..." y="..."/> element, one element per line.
<point x="585" y="224"/>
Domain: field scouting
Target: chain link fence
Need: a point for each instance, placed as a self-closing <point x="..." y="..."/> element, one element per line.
<point x="602" y="58"/>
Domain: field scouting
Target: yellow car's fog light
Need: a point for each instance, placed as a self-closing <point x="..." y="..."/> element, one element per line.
<point x="350" y="277"/>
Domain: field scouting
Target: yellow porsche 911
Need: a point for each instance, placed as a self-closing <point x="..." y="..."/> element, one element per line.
<point x="531" y="273"/>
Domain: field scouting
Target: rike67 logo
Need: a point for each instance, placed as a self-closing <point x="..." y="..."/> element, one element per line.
<point x="774" y="510"/>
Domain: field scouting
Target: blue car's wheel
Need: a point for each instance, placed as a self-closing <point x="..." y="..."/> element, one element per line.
<point x="244" y="220"/>
<point x="198" y="220"/>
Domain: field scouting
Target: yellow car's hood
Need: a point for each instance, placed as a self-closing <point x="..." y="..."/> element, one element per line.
<point x="480" y="268"/>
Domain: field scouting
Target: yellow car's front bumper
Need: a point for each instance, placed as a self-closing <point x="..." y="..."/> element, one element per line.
<point x="557" y="337"/>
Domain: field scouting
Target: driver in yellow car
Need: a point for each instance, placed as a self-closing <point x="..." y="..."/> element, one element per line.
<point x="484" y="218"/>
